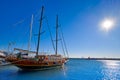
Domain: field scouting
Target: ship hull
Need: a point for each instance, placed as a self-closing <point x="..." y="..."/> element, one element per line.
<point x="41" y="63"/>
<point x="38" y="67"/>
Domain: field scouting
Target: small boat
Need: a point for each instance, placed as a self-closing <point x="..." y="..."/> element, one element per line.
<point x="37" y="61"/>
<point x="2" y="57"/>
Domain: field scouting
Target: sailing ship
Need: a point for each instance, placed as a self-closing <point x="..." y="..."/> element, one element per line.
<point x="38" y="61"/>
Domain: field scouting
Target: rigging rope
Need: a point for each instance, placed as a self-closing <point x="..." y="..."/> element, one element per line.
<point x="64" y="42"/>
<point x="50" y="34"/>
<point x="62" y="45"/>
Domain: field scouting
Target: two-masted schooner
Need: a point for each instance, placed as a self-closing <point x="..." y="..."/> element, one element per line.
<point x="38" y="62"/>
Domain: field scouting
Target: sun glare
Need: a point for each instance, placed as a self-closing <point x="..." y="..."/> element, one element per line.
<point x="107" y="24"/>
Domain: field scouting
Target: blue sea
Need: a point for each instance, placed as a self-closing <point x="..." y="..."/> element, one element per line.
<point x="75" y="69"/>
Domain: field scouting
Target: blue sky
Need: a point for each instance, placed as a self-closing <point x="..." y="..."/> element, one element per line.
<point x="79" y="19"/>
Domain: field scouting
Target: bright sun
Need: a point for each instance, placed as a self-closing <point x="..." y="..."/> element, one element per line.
<point x="107" y="24"/>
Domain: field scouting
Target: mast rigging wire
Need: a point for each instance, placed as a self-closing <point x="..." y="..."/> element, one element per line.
<point x="50" y="33"/>
<point x="64" y="42"/>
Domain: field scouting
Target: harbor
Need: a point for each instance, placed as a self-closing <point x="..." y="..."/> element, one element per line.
<point x="60" y="40"/>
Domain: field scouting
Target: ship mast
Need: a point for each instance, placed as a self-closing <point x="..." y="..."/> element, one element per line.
<point x="56" y="34"/>
<point x="30" y="33"/>
<point x="40" y="28"/>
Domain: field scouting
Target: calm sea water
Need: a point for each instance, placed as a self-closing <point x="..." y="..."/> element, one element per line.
<point x="75" y="69"/>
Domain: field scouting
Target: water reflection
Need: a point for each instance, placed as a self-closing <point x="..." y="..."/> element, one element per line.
<point x="51" y="74"/>
<point x="111" y="70"/>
